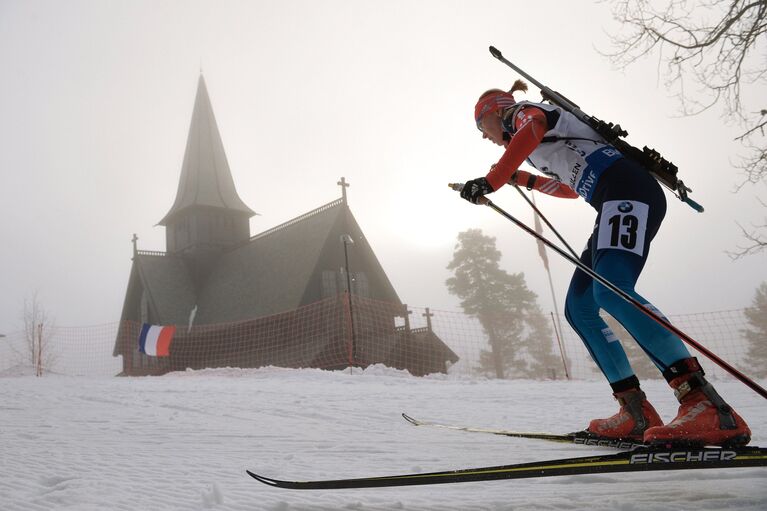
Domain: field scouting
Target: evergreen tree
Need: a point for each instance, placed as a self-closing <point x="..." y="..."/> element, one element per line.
<point x="756" y="335"/>
<point x="519" y="335"/>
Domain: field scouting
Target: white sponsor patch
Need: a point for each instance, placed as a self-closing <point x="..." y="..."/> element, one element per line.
<point x="622" y="226"/>
<point x="609" y="334"/>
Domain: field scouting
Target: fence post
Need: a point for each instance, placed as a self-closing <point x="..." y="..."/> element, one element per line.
<point x="561" y="346"/>
<point x="349" y="323"/>
<point x="347" y="240"/>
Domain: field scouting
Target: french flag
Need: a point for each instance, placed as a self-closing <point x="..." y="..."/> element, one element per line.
<point x="155" y="340"/>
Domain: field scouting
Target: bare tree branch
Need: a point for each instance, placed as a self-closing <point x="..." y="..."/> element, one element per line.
<point x="717" y="56"/>
<point x="756" y="242"/>
<point x="38" y="329"/>
<point x="719" y="46"/>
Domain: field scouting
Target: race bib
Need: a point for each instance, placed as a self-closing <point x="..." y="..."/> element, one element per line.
<point x="622" y="226"/>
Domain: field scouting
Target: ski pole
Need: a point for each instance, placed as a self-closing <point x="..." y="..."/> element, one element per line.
<point x="546" y="221"/>
<point x="630" y="299"/>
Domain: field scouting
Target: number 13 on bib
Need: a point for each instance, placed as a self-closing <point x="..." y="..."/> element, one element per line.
<point x="622" y="226"/>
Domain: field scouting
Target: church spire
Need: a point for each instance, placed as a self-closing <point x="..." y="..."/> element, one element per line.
<point x="206" y="179"/>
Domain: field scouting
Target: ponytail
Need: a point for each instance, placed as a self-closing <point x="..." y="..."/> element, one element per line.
<point x="518" y="85"/>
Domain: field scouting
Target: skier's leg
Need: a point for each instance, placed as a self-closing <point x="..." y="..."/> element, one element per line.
<point x="636" y="414"/>
<point x="582" y="313"/>
<point x="630" y="213"/>
<point x="622" y="269"/>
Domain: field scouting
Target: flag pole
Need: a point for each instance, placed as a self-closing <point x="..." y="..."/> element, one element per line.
<point x="559" y="321"/>
<point x="561" y="344"/>
<point x="542" y="251"/>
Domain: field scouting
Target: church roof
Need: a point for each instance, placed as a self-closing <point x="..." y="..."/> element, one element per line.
<point x="275" y="271"/>
<point x="168" y="284"/>
<point x="271" y="273"/>
<point x="206" y="179"/>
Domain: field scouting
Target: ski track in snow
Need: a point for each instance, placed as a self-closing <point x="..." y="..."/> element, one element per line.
<point x="183" y="441"/>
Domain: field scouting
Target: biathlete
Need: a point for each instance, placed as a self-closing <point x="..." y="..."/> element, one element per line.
<point x="576" y="161"/>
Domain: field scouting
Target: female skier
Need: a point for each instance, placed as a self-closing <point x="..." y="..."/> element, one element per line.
<point x="630" y="207"/>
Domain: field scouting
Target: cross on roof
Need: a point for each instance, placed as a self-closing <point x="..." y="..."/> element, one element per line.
<point x="406" y="314"/>
<point x="344" y="185"/>
<point x="428" y="316"/>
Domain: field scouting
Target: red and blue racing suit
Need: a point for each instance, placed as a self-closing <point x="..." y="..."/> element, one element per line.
<point x="630" y="207"/>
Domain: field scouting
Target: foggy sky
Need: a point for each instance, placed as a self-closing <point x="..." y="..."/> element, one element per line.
<point x="96" y="100"/>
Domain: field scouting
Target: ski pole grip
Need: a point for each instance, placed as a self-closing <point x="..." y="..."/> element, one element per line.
<point x="459" y="186"/>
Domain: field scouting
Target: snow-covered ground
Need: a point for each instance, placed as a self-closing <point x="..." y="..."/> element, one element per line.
<point x="184" y="440"/>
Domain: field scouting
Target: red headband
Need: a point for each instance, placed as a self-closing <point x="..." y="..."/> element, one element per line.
<point x="492" y="102"/>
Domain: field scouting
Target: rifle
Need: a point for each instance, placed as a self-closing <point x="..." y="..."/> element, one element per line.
<point x="660" y="168"/>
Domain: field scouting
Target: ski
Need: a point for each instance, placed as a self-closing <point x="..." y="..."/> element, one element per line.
<point x="639" y="460"/>
<point x="580" y="437"/>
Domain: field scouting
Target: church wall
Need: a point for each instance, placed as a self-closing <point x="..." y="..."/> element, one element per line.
<point x="206" y="226"/>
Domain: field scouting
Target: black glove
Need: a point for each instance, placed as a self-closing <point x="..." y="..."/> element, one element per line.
<point x="476" y="188"/>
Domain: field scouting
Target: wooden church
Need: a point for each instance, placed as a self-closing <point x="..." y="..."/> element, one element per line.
<point x="308" y="293"/>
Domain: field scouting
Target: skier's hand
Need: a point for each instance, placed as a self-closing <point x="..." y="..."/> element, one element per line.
<point x="475" y="189"/>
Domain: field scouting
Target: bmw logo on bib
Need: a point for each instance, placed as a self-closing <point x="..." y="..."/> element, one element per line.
<point x="625" y="207"/>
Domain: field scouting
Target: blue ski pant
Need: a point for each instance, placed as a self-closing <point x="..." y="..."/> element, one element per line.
<point x="631" y="206"/>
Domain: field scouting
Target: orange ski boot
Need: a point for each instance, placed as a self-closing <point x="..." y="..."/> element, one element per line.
<point x="632" y="420"/>
<point x="703" y="418"/>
